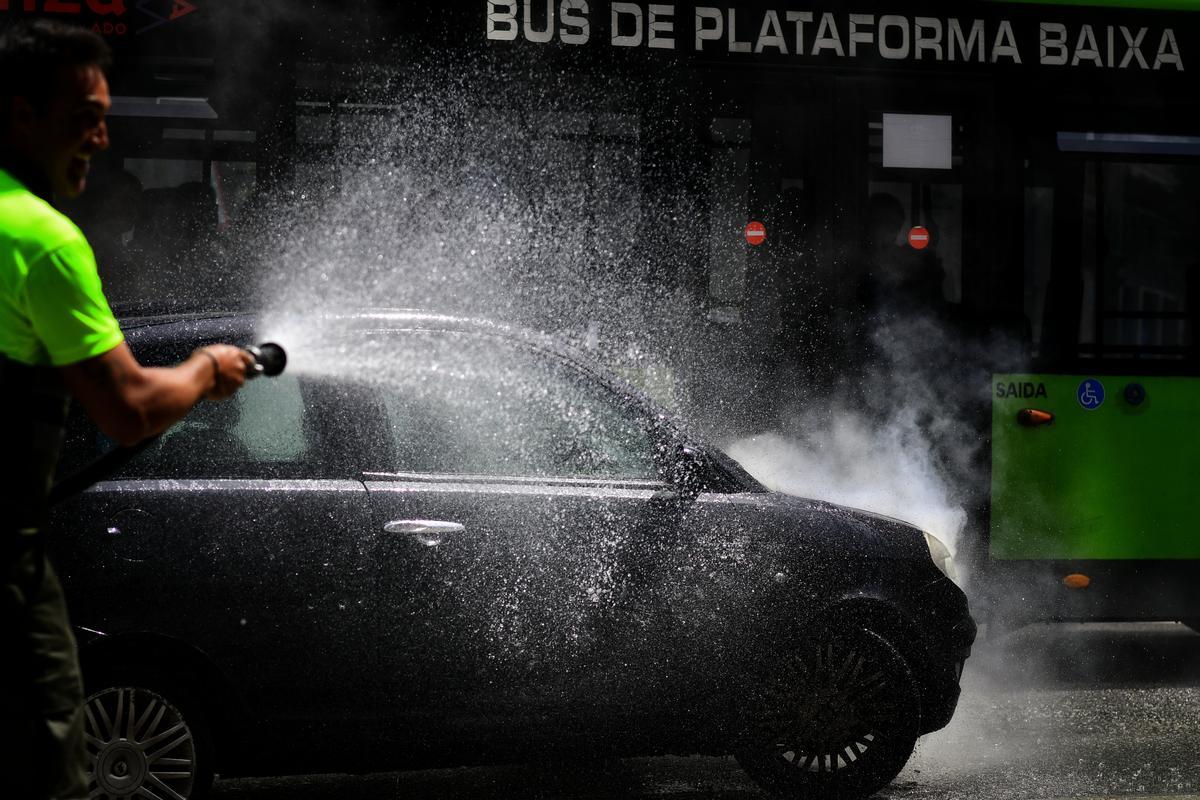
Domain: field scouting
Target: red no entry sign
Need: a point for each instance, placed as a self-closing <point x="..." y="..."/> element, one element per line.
<point x="918" y="237"/>
<point x="756" y="233"/>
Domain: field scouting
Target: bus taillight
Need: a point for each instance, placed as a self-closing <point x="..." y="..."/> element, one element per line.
<point x="1031" y="417"/>
<point x="1077" y="580"/>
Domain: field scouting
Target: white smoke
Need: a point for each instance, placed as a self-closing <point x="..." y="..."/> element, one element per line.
<point x="850" y="460"/>
<point x="904" y="441"/>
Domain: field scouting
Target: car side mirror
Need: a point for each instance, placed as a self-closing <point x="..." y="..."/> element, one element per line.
<point x="688" y="472"/>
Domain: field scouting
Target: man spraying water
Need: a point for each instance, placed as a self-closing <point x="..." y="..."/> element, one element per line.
<point x="58" y="338"/>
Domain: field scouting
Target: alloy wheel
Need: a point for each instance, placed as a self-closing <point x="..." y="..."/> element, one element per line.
<point x="139" y="745"/>
<point x="839" y="717"/>
<point x="827" y="729"/>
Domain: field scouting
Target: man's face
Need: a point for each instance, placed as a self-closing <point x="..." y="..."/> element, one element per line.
<point x="61" y="138"/>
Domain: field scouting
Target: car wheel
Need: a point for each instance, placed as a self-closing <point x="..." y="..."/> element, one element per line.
<point x="840" y="720"/>
<point x="146" y="739"/>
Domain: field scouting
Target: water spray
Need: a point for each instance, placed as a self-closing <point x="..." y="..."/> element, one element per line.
<point x="270" y="359"/>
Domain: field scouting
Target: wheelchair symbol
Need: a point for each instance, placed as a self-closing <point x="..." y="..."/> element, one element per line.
<point x="1090" y="394"/>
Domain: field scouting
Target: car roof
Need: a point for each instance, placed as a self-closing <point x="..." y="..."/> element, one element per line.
<point x="239" y="325"/>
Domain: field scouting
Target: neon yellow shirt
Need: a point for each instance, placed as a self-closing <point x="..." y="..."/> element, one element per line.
<point x="52" y="309"/>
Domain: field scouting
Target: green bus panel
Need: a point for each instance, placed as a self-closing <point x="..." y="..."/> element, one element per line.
<point x="1120" y="480"/>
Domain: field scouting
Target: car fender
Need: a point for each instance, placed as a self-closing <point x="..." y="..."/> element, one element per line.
<point x="885" y="618"/>
<point x="176" y="660"/>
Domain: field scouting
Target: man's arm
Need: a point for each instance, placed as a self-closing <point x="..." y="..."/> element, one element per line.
<point x="131" y="402"/>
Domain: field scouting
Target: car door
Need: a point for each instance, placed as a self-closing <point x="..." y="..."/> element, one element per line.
<point x="238" y="533"/>
<point x="518" y="518"/>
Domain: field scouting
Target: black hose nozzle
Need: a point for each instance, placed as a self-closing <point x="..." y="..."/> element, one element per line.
<point x="269" y="360"/>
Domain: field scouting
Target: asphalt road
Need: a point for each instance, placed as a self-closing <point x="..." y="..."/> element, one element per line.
<point x="1050" y="711"/>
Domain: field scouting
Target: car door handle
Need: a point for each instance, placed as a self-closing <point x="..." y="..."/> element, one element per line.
<point x="429" y="531"/>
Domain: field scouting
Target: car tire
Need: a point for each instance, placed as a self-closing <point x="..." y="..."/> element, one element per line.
<point x="839" y="720"/>
<point x="146" y="732"/>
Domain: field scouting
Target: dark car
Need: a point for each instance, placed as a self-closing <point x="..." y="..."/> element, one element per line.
<point x="438" y="541"/>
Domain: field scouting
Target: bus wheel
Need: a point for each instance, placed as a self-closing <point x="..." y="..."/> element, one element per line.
<point x="840" y="721"/>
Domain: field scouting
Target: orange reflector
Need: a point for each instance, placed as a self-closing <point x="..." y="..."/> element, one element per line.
<point x="1032" y="416"/>
<point x="1077" y="581"/>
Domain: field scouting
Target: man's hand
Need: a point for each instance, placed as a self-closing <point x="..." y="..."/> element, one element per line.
<point x="131" y="402"/>
<point x="229" y="366"/>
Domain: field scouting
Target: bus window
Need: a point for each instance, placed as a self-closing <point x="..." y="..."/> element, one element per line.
<point x="1149" y="249"/>
<point x="234" y="183"/>
<point x="314" y="124"/>
<point x="1131" y="277"/>
<point x="161" y="203"/>
<point x="1087" y="264"/>
<point x="938" y="208"/>
<point x="1039" y="222"/>
<point x="162" y="173"/>
<point x="931" y="197"/>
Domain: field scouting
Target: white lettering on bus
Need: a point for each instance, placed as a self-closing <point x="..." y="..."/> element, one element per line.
<point x="1053" y="43"/>
<point x="894" y="37"/>
<point x="531" y="33"/>
<point x="770" y="34"/>
<point x="1135" y="47"/>
<point x="857" y="36"/>
<point x="1086" y="48"/>
<point x="634" y="11"/>
<point x="734" y="45"/>
<point x="705" y="32"/>
<point x="502" y="25"/>
<point x="972" y="42"/>
<point x="921" y="42"/>
<point x="1168" y="51"/>
<point x="893" y="22"/>
<point x="1005" y="45"/>
<point x="827" y="36"/>
<point x="575" y="26"/>
<point x="660" y="28"/>
<point x="799" y="17"/>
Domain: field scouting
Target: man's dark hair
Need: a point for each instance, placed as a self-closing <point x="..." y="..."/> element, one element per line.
<point x="31" y="54"/>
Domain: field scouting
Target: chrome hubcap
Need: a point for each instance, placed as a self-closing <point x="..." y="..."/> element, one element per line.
<point x="139" y="746"/>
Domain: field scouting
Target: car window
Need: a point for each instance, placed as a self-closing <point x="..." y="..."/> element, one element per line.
<point x="478" y="405"/>
<point x="261" y="432"/>
<point x="256" y="433"/>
